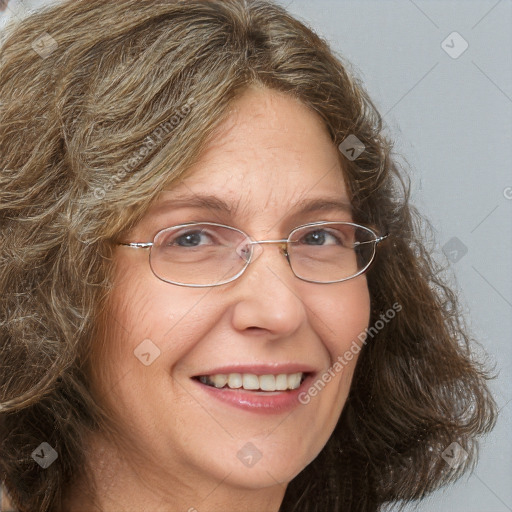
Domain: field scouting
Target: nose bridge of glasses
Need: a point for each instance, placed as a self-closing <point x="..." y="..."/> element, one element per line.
<point x="257" y="250"/>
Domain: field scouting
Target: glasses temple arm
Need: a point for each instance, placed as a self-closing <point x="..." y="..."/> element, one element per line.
<point x="137" y="245"/>
<point x="376" y="241"/>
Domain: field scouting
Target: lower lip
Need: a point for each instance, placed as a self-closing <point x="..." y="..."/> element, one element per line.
<point x="268" y="403"/>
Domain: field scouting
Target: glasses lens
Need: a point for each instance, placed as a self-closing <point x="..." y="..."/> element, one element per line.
<point x="331" y="252"/>
<point x="197" y="254"/>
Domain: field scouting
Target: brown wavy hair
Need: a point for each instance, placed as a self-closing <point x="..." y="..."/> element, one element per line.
<point x="75" y="110"/>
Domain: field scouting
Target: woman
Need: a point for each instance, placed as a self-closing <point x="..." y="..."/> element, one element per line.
<point x="214" y="291"/>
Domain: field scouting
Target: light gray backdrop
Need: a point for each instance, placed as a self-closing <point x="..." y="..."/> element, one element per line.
<point x="449" y="109"/>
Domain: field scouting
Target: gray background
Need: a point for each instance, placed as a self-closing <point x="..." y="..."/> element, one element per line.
<point x="451" y="120"/>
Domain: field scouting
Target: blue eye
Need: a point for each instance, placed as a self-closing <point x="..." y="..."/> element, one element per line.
<point x="195" y="238"/>
<point x="323" y="237"/>
<point x="191" y="238"/>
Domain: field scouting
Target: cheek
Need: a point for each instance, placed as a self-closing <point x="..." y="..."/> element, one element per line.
<point x="146" y="330"/>
<point x="147" y="316"/>
<point x="341" y="312"/>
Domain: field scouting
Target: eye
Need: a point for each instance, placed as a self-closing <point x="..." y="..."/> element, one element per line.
<point x="191" y="238"/>
<point x="199" y="236"/>
<point x="324" y="237"/>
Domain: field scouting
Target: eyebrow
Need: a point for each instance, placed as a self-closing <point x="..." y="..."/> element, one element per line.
<point x="216" y="204"/>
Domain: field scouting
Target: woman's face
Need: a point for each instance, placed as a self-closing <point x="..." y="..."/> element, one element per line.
<point x="271" y="154"/>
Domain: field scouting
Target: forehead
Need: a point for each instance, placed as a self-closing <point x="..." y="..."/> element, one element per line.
<point x="270" y="152"/>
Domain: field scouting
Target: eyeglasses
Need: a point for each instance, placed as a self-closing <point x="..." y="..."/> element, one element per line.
<point x="201" y="254"/>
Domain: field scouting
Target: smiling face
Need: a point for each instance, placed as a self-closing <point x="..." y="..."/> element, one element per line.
<point x="269" y="159"/>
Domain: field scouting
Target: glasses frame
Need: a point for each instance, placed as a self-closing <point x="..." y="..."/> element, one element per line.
<point x="282" y="242"/>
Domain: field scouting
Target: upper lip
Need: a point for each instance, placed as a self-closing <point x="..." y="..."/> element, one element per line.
<point x="260" y="369"/>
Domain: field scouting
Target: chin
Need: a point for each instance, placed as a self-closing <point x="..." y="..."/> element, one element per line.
<point x="266" y="466"/>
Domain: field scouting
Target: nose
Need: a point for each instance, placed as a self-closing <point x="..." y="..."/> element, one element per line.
<point x="267" y="295"/>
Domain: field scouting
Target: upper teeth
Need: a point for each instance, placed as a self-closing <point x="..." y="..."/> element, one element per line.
<point x="250" y="381"/>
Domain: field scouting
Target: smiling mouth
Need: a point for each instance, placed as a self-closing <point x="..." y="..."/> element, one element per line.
<point x="252" y="382"/>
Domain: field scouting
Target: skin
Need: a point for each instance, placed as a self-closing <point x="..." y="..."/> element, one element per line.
<point x="176" y="449"/>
